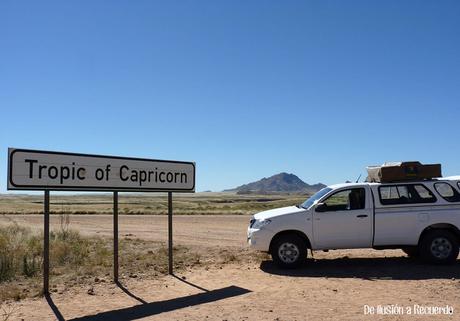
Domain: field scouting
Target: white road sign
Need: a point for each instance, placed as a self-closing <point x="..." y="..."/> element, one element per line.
<point x="39" y="170"/>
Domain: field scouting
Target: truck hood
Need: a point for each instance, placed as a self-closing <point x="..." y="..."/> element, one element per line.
<point x="277" y="212"/>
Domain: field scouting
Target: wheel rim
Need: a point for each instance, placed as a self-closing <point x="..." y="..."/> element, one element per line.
<point x="441" y="248"/>
<point x="288" y="252"/>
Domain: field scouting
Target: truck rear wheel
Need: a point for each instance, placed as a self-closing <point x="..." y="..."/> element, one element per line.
<point x="289" y="251"/>
<point x="439" y="247"/>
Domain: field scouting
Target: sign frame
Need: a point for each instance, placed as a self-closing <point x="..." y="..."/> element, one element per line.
<point x="46" y="202"/>
<point x="12" y="186"/>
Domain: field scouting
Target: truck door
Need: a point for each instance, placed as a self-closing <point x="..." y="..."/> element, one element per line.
<point x="344" y="220"/>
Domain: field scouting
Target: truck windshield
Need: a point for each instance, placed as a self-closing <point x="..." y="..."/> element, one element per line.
<point x="309" y="202"/>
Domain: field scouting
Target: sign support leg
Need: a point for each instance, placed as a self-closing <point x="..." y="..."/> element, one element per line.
<point x="46" y="244"/>
<point x="170" y="236"/>
<point x="115" y="237"/>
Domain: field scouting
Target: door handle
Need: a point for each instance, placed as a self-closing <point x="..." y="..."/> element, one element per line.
<point x="361" y="216"/>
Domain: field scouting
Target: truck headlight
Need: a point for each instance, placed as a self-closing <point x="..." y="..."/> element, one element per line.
<point x="258" y="224"/>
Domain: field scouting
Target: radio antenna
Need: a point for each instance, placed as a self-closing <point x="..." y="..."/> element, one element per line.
<point x="357" y="180"/>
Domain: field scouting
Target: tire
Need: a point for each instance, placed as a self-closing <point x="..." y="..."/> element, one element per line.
<point x="412" y="251"/>
<point x="439" y="247"/>
<point x="289" y="251"/>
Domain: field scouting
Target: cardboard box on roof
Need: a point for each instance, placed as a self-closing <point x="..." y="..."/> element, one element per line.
<point x="402" y="171"/>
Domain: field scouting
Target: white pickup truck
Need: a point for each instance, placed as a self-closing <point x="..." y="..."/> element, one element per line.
<point x="422" y="218"/>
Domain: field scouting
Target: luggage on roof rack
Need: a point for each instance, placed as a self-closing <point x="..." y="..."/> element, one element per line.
<point x="402" y="171"/>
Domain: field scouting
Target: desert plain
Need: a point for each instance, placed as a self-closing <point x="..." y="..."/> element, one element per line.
<point x="216" y="276"/>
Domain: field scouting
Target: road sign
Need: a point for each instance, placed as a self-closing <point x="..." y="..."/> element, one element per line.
<point x="41" y="170"/>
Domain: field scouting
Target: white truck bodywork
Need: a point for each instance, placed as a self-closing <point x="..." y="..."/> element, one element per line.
<point x="375" y="226"/>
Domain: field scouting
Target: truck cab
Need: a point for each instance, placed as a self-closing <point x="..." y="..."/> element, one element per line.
<point x="420" y="217"/>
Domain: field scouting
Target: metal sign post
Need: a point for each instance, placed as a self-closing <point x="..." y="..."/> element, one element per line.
<point x="115" y="236"/>
<point x="46" y="244"/>
<point x="170" y="236"/>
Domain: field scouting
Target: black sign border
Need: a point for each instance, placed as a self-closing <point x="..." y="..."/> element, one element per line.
<point x="92" y="189"/>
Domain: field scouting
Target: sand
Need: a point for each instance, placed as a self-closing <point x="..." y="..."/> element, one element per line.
<point x="338" y="285"/>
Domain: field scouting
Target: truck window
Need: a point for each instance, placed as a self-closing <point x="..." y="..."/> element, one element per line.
<point x="447" y="192"/>
<point x="423" y="192"/>
<point x="405" y="194"/>
<point x="346" y="200"/>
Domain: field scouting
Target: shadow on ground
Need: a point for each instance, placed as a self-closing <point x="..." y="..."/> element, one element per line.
<point x="396" y="268"/>
<point x="146" y="309"/>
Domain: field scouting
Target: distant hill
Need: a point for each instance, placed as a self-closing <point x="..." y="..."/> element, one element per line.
<point x="280" y="183"/>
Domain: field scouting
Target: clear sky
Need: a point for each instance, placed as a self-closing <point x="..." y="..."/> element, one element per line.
<point x="246" y="89"/>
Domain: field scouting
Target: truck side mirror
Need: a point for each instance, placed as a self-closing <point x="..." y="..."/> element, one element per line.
<point x="321" y="207"/>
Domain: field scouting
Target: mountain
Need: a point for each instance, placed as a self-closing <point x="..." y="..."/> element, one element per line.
<point x="281" y="183"/>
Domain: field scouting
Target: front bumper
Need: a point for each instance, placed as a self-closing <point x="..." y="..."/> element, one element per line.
<point x="259" y="239"/>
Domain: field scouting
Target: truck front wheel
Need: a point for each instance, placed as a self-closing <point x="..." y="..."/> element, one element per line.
<point x="289" y="251"/>
<point x="439" y="247"/>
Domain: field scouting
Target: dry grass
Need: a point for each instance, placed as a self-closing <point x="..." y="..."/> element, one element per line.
<point x="73" y="259"/>
<point x="7" y="312"/>
<point x="76" y="260"/>
<point x="153" y="203"/>
<point x="19" y="252"/>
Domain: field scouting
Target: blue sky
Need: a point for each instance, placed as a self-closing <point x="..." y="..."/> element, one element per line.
<point x="246" y="89"/>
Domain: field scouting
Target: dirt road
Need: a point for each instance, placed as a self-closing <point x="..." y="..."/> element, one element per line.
<point x="224" y="230"/>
